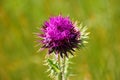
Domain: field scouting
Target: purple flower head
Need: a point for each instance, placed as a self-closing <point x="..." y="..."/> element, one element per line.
<point x="60" y="36"/>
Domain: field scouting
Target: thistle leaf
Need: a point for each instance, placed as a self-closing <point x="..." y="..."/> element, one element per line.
<point x="53" y="66"/>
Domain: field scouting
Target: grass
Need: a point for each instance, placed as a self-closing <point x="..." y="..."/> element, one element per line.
<point x="99" y="60"/>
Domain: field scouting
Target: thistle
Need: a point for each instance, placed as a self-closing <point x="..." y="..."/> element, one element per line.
<point x="61" y="37"/>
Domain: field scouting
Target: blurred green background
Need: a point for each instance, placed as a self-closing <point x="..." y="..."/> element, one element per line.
<point x="100" y="60"/>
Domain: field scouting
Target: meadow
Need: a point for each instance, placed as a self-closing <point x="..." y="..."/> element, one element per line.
<point x="19" y="19"/>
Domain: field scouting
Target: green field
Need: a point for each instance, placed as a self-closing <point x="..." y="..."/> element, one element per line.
<point x="19" y="19"/>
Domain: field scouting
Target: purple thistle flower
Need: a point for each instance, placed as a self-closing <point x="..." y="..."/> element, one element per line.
<point x="60" y="36"/>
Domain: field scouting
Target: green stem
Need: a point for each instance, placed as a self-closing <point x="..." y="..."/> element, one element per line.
<point x="59" y="76"/>
<point x="63" y="68"/>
